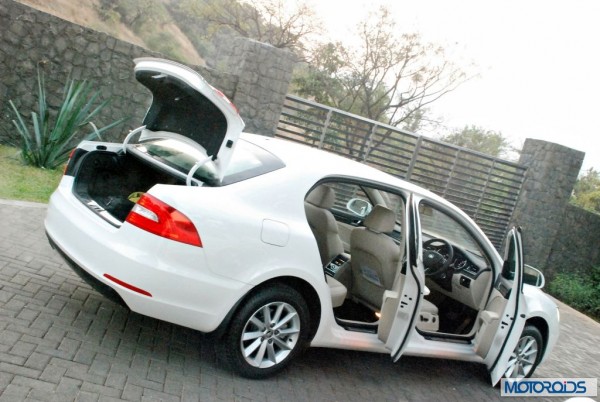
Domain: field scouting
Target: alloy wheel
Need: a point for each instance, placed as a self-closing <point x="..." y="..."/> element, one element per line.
<point x="270" y="334"/>
<point x="523" y="358"/>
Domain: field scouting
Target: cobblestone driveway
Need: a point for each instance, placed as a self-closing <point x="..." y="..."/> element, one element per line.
<point x="60" y="340"/>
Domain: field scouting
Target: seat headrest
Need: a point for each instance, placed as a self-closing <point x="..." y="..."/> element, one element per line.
<point x="381" y="219"/>
<point x="322" y="196"/>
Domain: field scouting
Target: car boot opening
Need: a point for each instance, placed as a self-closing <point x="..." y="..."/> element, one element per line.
<point x="110" y="183"/>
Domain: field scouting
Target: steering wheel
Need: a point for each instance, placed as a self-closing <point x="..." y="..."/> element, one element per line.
<point x="433" y="260"/>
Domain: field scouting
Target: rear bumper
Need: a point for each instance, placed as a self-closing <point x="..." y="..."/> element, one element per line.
<point x="178" y="284"/>
<point x="98" y="286"/>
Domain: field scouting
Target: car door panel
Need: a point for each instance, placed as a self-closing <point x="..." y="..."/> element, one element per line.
<point x="503" y="320"/>
<point x="400" y="305"/>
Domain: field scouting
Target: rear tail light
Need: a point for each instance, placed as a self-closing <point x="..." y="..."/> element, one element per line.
<point x="69" y="161"/>
<point x="222" y="95"/>
<point x="68" y="164"/>
<point x="154" y="216"/>
<point x="74" y="157"/>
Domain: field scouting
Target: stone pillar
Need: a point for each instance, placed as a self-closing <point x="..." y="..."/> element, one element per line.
<point x="551" y="175"/>
<point x="264" y="74"/>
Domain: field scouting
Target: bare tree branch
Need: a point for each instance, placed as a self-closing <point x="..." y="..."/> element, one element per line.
<point x="389" y="77"/>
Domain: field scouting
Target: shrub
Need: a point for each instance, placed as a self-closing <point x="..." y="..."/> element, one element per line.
<point x="48" y="144"/>
<point x="581" y="292"/>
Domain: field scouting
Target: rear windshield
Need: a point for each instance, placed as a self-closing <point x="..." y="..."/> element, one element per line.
<point x="248" y="160"/>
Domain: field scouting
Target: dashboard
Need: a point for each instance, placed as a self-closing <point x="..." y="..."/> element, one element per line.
<point x="466" y="279"/>
<point x="470" y="266"/>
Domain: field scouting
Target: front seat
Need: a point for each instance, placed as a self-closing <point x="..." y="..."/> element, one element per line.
<point x="323" y="224"/>
<point x="375" y="257"/>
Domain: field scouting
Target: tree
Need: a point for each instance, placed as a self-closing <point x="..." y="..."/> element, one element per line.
<point x="587" y="182"/>
<point x="388" y="77"/>
<point x="586" y="192"/>
<point x="283" y="24"/>
<point x="479" y="139"/>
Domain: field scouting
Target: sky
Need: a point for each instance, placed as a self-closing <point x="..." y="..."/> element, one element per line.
<point x="537" y="63"/>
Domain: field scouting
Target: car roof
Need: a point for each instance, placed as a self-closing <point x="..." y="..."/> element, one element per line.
<point x="320" y="163"/>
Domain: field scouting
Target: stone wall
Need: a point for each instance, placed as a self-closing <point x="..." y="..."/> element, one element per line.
<point x="30" y="39"/>
<point x="540" y="210"/>
<point x="259" y="101"/>
<point x="576" y="246"/>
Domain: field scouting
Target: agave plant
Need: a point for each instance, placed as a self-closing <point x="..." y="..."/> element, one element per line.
<point x="49" y="143"/>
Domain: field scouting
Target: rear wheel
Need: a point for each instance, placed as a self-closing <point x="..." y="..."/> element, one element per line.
<point x="526" y="355"/>
<point x="267" y="332"/>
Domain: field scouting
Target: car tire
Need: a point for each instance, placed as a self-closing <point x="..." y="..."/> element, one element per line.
<point x="526" y="355"/>
<point x="267" y="332"/>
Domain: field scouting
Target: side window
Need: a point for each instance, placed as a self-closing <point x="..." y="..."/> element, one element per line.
<point x="358" y="200"/>
<point x="436" y="223"/>
<point x="350" y="199"/>
<point x="393" y="202"/>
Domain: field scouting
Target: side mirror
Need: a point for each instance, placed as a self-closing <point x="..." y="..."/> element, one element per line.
<point x="359" y="207"/>
<point x="533" y="276"/>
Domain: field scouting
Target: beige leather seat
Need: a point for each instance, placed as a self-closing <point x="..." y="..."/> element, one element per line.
<point x="337" y="290"/>
<point x="375" y="257"/>
<point x="323" y="224"/>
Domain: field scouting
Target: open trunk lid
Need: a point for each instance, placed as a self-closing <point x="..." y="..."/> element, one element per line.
<point x="188" y="110"/>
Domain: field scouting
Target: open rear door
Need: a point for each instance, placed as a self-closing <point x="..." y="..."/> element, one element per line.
<point x="400" y="305"/>
<point x="507" y="306"/>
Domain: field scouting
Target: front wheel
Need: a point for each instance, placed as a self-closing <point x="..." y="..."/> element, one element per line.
<point x="267" y="332"/>
<point x="526" y="355"/>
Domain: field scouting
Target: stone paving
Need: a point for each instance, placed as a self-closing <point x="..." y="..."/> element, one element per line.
<point x="62" y="341"/>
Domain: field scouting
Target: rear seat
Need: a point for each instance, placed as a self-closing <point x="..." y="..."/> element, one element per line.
<point x="338" y="291"/>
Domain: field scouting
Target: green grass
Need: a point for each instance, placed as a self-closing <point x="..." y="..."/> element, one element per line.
<point x="26" y="183"/>
<point x="579" y="290"/>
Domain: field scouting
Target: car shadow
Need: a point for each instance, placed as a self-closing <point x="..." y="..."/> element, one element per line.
<point x="148" y="349"/>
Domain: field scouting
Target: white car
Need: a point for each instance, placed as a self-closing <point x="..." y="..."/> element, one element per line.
<point x="275" y="246"/>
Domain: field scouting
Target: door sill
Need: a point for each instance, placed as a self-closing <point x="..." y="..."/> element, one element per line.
<point x="358" y="326"/>
<point x="443" y="337"/>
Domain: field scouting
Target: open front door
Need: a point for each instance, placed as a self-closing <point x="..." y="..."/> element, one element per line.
<point x="503" y="319"/>
<point x="401" y="305"/>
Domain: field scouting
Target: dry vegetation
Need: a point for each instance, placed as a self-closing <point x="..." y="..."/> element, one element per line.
<point x="83" y="12"/>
